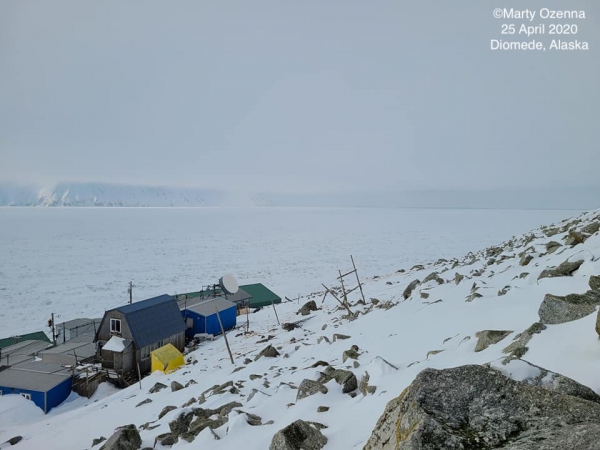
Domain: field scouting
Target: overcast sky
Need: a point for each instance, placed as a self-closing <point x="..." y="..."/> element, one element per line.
<point x="318" y="95"/>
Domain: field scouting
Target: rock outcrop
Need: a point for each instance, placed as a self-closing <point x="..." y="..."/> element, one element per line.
<point x="565" y="269"/>
<point x="474" y="407"/>
<point x="489" y="337"/>
<point x="125" y="438"/>
<point x="269" y="352"/>
<point x="299" y="435"/>
<point x="556" y="309"/>
<point x="411" y="287"/>
<point x="310" y="387"/>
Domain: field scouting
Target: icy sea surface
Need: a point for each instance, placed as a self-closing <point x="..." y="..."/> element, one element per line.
<point x="77" y="262"/>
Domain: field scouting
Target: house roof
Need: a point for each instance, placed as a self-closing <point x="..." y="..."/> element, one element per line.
<point x="153" y="319"/>
<point x="21" y="351"/>
<point x="261" y="295"/>
<point x="36" y="336"/>
<point x="210" y="307"/>
<point x="35" y="376"/>
<point x="71" y="348"/>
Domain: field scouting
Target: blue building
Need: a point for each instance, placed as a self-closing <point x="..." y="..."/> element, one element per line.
<point x="46" y="385"/>
<point x="202" y="317"/>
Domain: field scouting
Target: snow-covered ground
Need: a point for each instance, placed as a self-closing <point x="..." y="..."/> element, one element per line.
<point x="394" y="344"/>
<point x="77" y="262"/>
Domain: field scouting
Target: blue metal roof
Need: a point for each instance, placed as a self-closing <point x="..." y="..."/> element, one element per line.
<point x="153" y="319"/>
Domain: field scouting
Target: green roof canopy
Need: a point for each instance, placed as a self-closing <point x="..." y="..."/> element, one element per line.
<point x="37" y="336"/>
<point x="261" y="295"/>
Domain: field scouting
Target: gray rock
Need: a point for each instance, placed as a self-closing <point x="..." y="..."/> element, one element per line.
<point x="321" y="409"/>
<point x="417" y="267"/>
<point x="552" y="381"/>
<point x="565" y="269"/>
<point x="181" y="424"/>
<point x="552" y="246"/>
<point x="95" y="441"/>
<point x="591" y="228"/>
<point x="307" y="308"/>
<point x="551" y="231"/>
<point x="165" y="439"/>
<point x="289" y="326"/>
<point x="340" y="337"/>
<point x="166" y="410"/>
<point x="345" y="378"/>
<point x="556" y="309"/>
<point x="269" y="352"/>
<point x="574" y="238"/>
<point x="473" y="296"/>
<point x="458" y="278"/>
<point x="595" y="282"/>
<point x="176" y="386"/>
<point x="525" y="259"/>
<point x="504" y="290"/>
<point x="424" y="294"/>
<point x="473" y="407"/>
<point x="489" y="337"/>
<point x="190" y="402"/>
<point x="350" y="354"/>
<point x="299" y="435"/>
<point x="144" y="402"/>
<point x="518" y="347"/>
<point x="408" y="291"/>
<point x="310" y="387"/>
<point x="433" y="276"/>
<point x="125" y="438"/>
<point x="157" y="387"/>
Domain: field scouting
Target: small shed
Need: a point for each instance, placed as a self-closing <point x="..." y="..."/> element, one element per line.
<point x="46" y="385"/>
<point x="261" y="295"/>
<point x="202" y="317"/>
<point x="166" y="359"/>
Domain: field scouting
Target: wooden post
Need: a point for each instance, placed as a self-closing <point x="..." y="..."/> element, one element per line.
<point x="248" y="317"/>
<point x="273" y="303"/>
<point x="343" y="287"/>
<point x="338" y="300"/>
<point x="224" y="335"/>
<point x="358" y="280"/>
<point x="139" y="375"/>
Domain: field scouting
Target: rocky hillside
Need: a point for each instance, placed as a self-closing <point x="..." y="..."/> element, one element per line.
<point x="498" y="349"/>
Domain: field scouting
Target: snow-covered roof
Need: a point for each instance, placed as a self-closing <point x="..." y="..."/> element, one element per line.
<point x="116" y="344"/>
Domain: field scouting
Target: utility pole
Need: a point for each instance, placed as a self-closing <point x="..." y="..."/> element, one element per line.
<point x="224" y="335"/>
<point x="130" y="291"/>
<point x="51" y="325"/>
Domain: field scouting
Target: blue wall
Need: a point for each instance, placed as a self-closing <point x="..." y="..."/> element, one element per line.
<point x="55" y="396"/>
<point x="210" y="324"/>
<point x="59" y="394"/>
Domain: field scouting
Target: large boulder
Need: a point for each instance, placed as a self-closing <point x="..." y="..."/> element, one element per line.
<point x="125" y="438"/>
<point x="489" y="337"/>
<point x="556" y="309"/>
<point x="299" y="435"/>
<point x="411" y="287"/>
<point x="565" y="269"/>
<point x="310" y="387"/>
<point x="474" y="407"/>
<point x="552" y="246"/>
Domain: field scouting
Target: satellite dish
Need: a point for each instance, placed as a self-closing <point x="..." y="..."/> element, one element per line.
<point x="229" y="284"/>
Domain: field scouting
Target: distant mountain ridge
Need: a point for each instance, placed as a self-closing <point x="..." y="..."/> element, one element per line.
<point x="122" y="195"/>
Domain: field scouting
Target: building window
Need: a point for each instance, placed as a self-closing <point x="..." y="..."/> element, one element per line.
<point x="115" y="326"/>
<point x="27" y="396"/>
